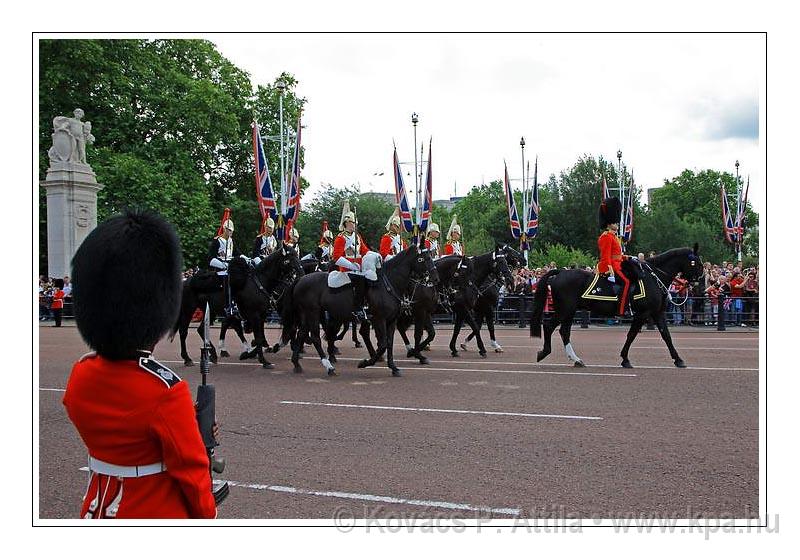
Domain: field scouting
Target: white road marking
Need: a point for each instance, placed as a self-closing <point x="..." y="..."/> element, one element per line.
<point x="446" y="410"/>
<point x="478" y="383"/>
<point x="368" y="497"/>
<point x="50" y="389"/>
<point x="316" y="380"/>
<point x="448" y="383"/>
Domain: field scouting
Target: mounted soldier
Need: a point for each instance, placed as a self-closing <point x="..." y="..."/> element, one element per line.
<point x="348" y="251"/>
<point x="265" y="243"/>
<point x="294" y="239"/>
<point x="611" y="256"/>
<point x="324" y="249"/>
<point x="454" y="246"/>
<point x="391" y="242"/>
<point x="432" y="240"/>
<point x="220" y="253"/>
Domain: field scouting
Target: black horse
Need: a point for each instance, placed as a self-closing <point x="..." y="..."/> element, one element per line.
<point x="464" y="300"/>
<point x="264" y="289"/>
<point x="569" y="286"/>
<point x="311" y="298"/>
<point x="489" y="295"/>
<point x="454" y="273"/>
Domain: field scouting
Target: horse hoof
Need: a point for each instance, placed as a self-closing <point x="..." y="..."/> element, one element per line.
<point x="298" y="368"/>
<point x="679" y="363"/>
<point x="483" y="354"/>
<point x="426" y="348"/>
<point x="454" y="353"/>
<point x="275" y="348"/>
<point x="335" y="351"/>
<point x="410" y="354"/>
<point x="540" y="356"/>
<point x="268" y="349"/>
<point x="188" y="363"/>
<point x="333" y="357"/>
<point x="396" y="373"/>
<point x="267" y="365"/>
<point x="247" y="355"/>
<point x="626" y="364"/>
<point x="331" y="372"/>
<point x="580" y="363"/>
<point x="379" y="359"/>
<point x="464" y="347"/>
<point x="213" y="358"/>
<point x="357" y="345"/>
<point x="424" y="361"/>
<point x="363" y="363"/>
<point x="498" y="350"/>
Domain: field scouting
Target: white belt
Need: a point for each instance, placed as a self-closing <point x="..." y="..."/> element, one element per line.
<point x="101" y="467"/>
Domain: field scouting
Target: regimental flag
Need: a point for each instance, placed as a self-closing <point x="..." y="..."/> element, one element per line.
<point x="741" y="218"/>
<point x="293" y="196"/>
<point x="627" y="231"/>
<point x="532" y="227"/>
<point x="427" y="204"/>
<point x="728" y="227"/>
<point x="513" y="217"/>
<point x="400" y="193"/>
<point x="264" y="192"/>
<point x="604" y="193"/>
<point x="225" y="216"/>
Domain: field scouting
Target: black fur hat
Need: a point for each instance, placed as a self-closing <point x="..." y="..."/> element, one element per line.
<point x="610" y="212"/>
<point x="126" y="278"/>
<point x="59" y="283"/>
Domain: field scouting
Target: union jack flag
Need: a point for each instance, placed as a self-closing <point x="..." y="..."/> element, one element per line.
<point x="728" y="227"/>
<point x="513" y="217"/>
<point x="264" y="193"/>
<point x="427" y="204"/>
<point x="742" y="206"/>
<point x="628" y="229"/>
<point x="532" y="227"/>
<point x="400" y="193"/>
<point x="293" y="196"/>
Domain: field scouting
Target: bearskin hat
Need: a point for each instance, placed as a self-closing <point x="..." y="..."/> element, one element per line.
<point x="610" y="212"/>
<point x="59" y="283"/>
<point x="127" y="280"/>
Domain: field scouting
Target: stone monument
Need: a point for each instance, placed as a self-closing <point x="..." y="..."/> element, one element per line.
<point x="72" y="190"/>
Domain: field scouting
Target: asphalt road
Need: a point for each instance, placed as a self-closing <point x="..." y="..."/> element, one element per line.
<point x="560" y="441"/>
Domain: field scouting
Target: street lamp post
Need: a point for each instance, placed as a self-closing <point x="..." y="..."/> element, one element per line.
<point x="414" y="121"/>
<point x="621" y="182"/>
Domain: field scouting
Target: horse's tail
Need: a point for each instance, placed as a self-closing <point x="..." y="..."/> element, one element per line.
<point x="539" y="299"/>
<point x="288" y="317"/>
<point x="186" y="310"/>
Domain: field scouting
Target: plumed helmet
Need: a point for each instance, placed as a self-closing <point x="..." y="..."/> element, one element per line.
<point x="433" y="227"/>
<point x="295" y="234"/>
<point x="228" y="224"/>
<point x="327" y="234"/>
<point x="347" y="215"/>
<point x="610" y="212"/>
<point x="269" y="222"/>
<point x="394" y="219"/>
<point x="127" y="284"/>
<point x="454" y="228"/>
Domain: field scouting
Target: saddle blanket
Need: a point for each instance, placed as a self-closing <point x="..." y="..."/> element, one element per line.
<point x="370" y="263"/>
<point x="601" y="289"/>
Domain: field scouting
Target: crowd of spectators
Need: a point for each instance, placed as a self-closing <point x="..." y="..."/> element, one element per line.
<point x="52" y="298"/>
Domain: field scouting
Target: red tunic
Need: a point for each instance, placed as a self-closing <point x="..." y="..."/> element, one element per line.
<point x="339" y="245"/>
<point x="386" y="245"/>
<point x="129" y="416"/>
<point x="448" y="248"/>
<point x="611" y="263"/>
<point x="58" y="300"/>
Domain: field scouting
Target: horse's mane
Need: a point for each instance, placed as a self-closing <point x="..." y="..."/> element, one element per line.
<point x="447" y="263"/>
<point x="666" y="256"/>
<point x="397" y="260"/>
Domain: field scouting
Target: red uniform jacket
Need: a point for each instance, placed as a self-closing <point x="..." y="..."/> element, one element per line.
<point x="610" y="253"/>
<point x="339" y="245"/>
<point x="448" y="248"/>
<point x="129" y="416"/>
<point x="386" y="245"/>
<point x="58" y="300"/>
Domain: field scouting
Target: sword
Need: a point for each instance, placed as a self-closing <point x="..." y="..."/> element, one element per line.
<point x="206" y="414"/>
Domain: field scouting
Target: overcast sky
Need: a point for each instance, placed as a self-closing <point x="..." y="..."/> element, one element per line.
<point x="669" y="102"/>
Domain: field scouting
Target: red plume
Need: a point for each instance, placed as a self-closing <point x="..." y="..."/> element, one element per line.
<point x="225" y="215"/>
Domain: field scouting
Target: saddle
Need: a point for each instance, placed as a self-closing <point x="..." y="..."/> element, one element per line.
<point x="602" y="289"/>
<point x="205" y="282"/>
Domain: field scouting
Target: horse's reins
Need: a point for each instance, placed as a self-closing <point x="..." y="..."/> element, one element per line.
<point x="661" y="284"/>
<point x="273" y="299"/>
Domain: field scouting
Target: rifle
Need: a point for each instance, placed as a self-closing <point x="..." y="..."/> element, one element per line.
<point x="206" y="415"/>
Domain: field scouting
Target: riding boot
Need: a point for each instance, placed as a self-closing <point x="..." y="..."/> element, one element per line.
<point x="359" y="297"/>
<point x="230" y="310"/>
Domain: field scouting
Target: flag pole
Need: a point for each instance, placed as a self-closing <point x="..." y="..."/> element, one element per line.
<point x="738" y="215"/>
<point x="414" y="121"/>
<point x="621" y="184"/>
<point x="281" y="85"/>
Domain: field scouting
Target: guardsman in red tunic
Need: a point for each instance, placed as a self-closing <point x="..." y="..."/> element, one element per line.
<point x="391" y="242"/>
<point x="454" y="245"/>
<point x="610" y="248"/>
<point x="58" y="301"/>
<point x="432" y="240"/>
<point x="136" y="417"/>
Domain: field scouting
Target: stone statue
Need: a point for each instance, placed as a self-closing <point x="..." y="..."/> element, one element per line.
<point x="70" y="136"/>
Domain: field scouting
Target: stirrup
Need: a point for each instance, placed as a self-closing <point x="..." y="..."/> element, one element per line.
<point x="360" y="315"/>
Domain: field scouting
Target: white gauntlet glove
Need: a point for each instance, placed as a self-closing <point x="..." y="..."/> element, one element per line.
<point x="216" y="263"/>
<point x="611" y="278"/>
